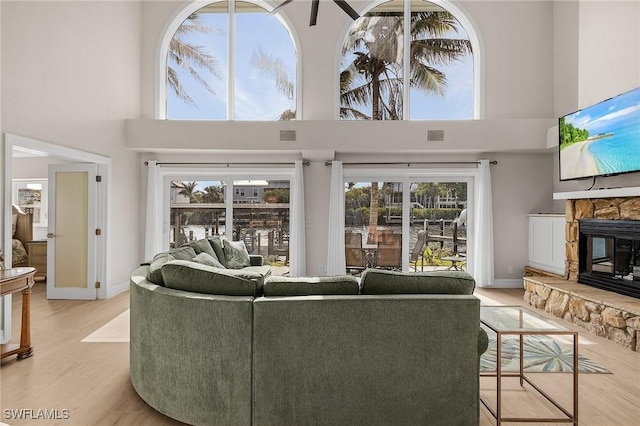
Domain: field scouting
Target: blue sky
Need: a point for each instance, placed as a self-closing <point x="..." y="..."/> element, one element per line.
<point x="617" y="112"/>
<point x="256" y="95"/>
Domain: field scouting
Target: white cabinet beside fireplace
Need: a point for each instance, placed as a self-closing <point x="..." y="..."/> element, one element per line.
<point x="547" y="242"/>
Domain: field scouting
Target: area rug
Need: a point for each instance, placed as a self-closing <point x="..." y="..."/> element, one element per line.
<point x="541" y="354"/>
<point x="116" y="330"/>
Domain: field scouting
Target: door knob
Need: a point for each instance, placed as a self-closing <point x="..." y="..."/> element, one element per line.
<point x="50" y="235"/>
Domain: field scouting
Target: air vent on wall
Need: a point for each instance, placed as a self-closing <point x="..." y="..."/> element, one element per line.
<point x="435" y="135"/>
<point x="287" y="135"/>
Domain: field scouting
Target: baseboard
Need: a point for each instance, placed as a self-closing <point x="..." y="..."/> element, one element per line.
<point x="506" y="283"/>
<point x="116" y="289"/>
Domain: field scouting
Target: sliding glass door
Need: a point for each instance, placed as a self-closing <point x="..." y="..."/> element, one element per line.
<point x="410" y="222"/>
<point x="255" y="210"/>
<point x="373" y="225"/>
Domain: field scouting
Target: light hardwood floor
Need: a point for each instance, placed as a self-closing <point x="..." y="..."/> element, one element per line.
<point x="91" y="380"/>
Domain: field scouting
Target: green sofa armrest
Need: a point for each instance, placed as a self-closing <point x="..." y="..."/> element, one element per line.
<point x="483" y="341"/>
<point x="255" y="260"/>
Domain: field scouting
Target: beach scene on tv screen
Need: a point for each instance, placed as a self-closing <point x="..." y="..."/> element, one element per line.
<point x="602" y="139"/>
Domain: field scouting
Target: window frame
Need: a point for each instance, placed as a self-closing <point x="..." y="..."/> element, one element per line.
<point x="169" y="30"/>
<point x="168" y="174"/>
<point x="406" y="177"/>
<point x="477" y="45"/>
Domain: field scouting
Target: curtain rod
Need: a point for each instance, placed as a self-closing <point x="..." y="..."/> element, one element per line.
<point x="409" y="163"/>
<point x="305" y="163"/>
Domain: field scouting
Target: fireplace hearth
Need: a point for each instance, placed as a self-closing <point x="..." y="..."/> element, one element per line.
<point x="609" y="255"/>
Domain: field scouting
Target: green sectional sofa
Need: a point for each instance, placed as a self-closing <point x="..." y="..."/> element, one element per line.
<point x="394" y="348"/>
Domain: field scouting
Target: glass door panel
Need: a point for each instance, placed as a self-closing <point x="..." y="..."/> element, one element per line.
<point x="438" y="231"/>
<point x="197" y="210"/>
<point x="261" y="216"/>
<point x="373" y="225"/>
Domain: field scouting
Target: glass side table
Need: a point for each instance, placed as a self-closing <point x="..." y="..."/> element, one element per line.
<point x="520" y="321"/>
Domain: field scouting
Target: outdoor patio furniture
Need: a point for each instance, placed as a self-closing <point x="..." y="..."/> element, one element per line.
<point x="456" y="262"/>
<point x="354" y="254"/>
<point x="389" y="253"/>
<point x="418" y="250"/>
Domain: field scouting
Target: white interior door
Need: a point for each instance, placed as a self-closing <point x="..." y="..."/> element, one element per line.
<point x="71" y="237"/>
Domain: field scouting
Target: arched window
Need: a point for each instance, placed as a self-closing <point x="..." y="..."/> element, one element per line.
<point x="228" y="60"/>
<point x="422" y="71"/>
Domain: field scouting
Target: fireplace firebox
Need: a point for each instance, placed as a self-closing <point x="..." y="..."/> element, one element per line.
<point x="609" y="255"/>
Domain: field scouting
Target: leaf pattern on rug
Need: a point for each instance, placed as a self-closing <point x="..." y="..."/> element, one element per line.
<point x="541" y="353"/>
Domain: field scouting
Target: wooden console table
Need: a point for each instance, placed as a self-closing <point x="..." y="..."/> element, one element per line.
<point x="11" y="281"/>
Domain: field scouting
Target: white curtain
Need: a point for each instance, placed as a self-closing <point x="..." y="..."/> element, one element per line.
<point x="483" y="270"/>
<point x="335" y="253"/>
<point x="153" y="231"/>
<point x="297" y="232"/>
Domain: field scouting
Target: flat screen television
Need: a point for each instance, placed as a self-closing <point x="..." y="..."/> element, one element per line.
<point x="602" y="139"/>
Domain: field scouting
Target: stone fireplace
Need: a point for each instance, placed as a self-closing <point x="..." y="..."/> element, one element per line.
<point x="625" y="208"/>
<point x="581" y="296"/>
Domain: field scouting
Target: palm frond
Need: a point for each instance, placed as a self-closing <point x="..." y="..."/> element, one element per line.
<point x="176" y="86"/>
<point x="273" y="67"/>
<point x="191" y="58"/>
<point x="439" y="51"/>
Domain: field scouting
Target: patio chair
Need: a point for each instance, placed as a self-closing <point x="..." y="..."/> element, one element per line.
<point x="418" y="250"/>
<point x="353" y="251"/>
<point x="389" y="254"/>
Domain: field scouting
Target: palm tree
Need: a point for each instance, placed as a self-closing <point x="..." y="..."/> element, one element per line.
<point x="375" y="48"/>
<point x="372" y="237"/>
<point x="189" y="189"/>
<point x="376" y="43"/>
<point x="190" y="57"/>
<point x="213" y="194"/>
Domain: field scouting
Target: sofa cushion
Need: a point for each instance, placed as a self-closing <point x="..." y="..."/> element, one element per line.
<point x="308" y="286"/>
<point x="264" y="270"/>
<point x="206" y="259"/>
<point x="216" y="244"/>
<point x="183" y="253"/>
<point x="376" y="281"/>
<point x="235" y="253"/>
<point x="202" y="246"/>
<point x="154" y="274"/>
<point x="198" y="278"/>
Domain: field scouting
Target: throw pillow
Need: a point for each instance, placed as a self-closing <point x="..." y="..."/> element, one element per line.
<point x="207" y="259"/>
<point x="216" y="244"/>
<point x="14" y="224"/>
<point x="235" y="253"/>
<point x="195" y="277"/>
<point x="19" y="252"/>
<point x="183" y="253"/>
<point x="154" y="274"/>
<point x="374" y="281"/>
<point x="202" y="246"/>
<point x="307" y="286"/>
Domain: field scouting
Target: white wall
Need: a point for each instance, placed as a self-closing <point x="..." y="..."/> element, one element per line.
<point x="520" y="186"/>
<point x="601" y="60"/>
<point x="71" y="76"/>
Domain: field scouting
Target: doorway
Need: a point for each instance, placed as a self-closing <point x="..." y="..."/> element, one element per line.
<point x="16" y="145"/>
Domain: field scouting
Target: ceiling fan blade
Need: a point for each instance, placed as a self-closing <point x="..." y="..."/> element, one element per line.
<point x="314" y="12"/>
<point x="280" y="6"/>
<point x="348" y="9"/>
